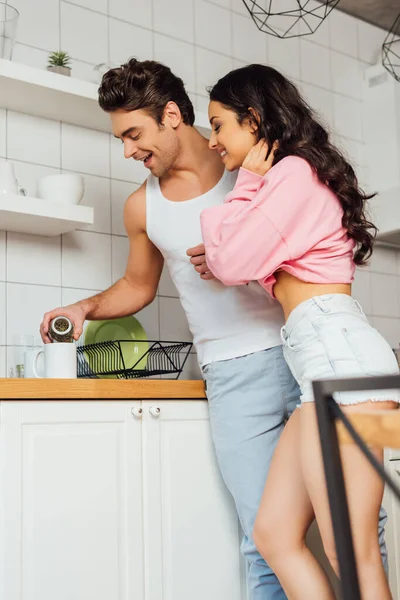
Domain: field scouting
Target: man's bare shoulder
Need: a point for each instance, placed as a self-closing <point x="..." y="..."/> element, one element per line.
<point x="135" y="211"/>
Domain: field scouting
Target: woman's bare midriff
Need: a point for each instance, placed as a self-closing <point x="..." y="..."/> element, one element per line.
<point x="291" y="291"/>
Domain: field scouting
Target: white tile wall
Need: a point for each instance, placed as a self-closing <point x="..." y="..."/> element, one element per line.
<point x="370" y="40"/>
<point x="239" y="7"/>
<point x="98" y="195"/>
<point x="72" y="295"/>
<point x="98" y="5"/>
<point x="32" y="57"/>
<point x="362" y="289"/>
<point x="384" y="260"/>
<point x="343" y="33"/>
<point x="23" y="135"/>
<point x="2" y="314"/>
<point x="83" y="33"/>
<point x="284" y="55"/>
<point x="120" y="251"/>
<point x="26" y="305"/>
<point x="85" y="150"/>
<point x="315" y="65"/>
<point x="138" y="12"/>
<point x="86" y="260"/>
<point x="210" y="66"/>
<point x="213" y="28"/>
<point x="38" y="24"/>
<point x="389" y="328"/>
<point x="223" y="3"/>
<point x="385" y="295"/>
<point x="174" y="18"/>
<point x="191" y="369"/>
<point x="248" y="42"/>
<point x="41" y="265"/>
<point x="179" y="56"/>
<point x="2" y="361"/>
<point x="127" y="40"/>
<point x="201" y="40"/>
<point x="322" y="35"/>
<point x="2" y="255"/>
<point x="353" y="150"/>
<point x="346" y="75"/>
<point x="150" y="319"/>
<point x="347" y="117"/>
<point x="3" y="133"/>
<point x="321" y="101"/>
<point x="120" y="190"/>
<point x="173" y="322"/>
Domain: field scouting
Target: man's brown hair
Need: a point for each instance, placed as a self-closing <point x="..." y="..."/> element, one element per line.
<point x="146" y="85"/>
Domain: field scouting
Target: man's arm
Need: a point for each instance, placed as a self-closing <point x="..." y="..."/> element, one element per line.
<point x="135" y="290"/>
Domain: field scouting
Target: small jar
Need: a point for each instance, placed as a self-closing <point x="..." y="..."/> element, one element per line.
<point x="61" y="329"/>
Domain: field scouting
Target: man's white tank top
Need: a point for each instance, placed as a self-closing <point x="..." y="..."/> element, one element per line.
<point x="226" y="322"/>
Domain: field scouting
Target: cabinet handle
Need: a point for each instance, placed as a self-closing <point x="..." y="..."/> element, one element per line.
<point x="137" y="412"/>
<point x="155" y="411"/>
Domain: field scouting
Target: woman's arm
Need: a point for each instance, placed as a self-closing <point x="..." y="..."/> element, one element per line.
<point x="248" y="238"/>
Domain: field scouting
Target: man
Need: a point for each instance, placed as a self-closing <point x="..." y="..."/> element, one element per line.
<point x="236" y="330"/>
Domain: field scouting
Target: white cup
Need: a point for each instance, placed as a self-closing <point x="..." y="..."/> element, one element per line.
<point x="29" y="360"/>
<point x="62" y="187"/>
<point x="60" y="361"/>
<point x="8" y="181"/>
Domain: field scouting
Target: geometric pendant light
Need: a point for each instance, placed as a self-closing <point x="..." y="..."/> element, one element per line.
<point x="289" y="18"/>
<point x="391" y="50"/>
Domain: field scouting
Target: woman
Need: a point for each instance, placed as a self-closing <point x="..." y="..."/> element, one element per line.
<point x="296" y="223"/>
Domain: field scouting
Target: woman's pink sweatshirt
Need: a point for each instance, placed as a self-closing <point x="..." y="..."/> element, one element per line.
<point x="286" y="220"/>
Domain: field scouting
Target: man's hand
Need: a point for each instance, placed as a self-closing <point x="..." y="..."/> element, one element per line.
<point x="198" y="260"/>
<point x="256" y="161"/>
<point x="75" y="312"/>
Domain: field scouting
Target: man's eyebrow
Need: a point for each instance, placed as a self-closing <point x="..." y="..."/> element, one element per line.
<point x="126" y="132"/>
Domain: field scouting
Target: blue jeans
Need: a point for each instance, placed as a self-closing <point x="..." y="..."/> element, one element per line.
<point x="250" y="398"/>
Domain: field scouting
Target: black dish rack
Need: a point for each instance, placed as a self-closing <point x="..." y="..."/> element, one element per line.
<point x="152" y="358"/>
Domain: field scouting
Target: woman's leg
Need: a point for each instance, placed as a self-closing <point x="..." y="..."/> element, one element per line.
<point x="364" y="490"/>
<point x="283" y="519"/>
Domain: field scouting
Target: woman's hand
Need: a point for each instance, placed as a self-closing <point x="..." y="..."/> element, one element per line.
<point x="256" y="162"/>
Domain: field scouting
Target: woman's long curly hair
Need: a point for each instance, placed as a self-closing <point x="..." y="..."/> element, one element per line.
<point x="264" y="96"/>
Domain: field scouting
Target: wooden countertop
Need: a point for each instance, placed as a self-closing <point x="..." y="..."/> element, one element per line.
<point x="96" y="389"/>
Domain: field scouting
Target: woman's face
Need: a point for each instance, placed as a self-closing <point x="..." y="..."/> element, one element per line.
<point x="230" y="139"/>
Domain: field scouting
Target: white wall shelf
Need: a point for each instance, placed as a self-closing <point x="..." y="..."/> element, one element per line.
<point x="25" y="214"/>
<point x="40" y="93"/>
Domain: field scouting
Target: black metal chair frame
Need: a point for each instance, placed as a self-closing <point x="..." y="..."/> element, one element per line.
<point x="328" y="411"/>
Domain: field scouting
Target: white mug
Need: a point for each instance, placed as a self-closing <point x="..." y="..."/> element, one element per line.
<point x="60" y="361"/>
<point x="62" y="187"/>
<point x="29" y="360"/>
<point x="8" y="181"/>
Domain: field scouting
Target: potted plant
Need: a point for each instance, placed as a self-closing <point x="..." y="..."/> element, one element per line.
<point x="59" y="63"/>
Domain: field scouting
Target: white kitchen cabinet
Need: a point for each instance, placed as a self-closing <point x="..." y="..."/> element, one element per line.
<point x="71" y="501"/>
<point x="114" y="500"/>
<point x="192" y="535"/>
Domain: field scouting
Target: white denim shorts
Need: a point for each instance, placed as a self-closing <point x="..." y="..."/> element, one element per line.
<point x="329" y="336"/>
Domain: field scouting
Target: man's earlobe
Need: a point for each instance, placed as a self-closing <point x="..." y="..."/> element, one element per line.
<point x="172" y="112"/>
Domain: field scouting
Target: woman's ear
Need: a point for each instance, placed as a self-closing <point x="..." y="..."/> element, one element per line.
<point x="254" y="119"/>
